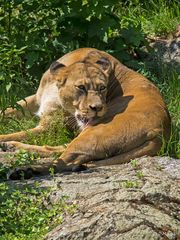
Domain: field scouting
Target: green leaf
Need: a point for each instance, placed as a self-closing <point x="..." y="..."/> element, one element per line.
<point x="8" y="86"/>
<point x="32" y="57"/>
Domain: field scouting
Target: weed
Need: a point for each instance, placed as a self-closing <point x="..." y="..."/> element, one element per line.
<point x="51" y="171"/>
<point x="134" y="163"/>
<point x="140" y="174"/>
<point x="23" y="158"/>
<point x="18" y="159"/>
<point x="130" y="184"/>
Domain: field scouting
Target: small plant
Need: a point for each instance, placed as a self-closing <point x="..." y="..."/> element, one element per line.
<point x="23" y="157"/>
<point x="130" y="184"/>
<point x="140" y="174"/>
<point x="20" y="158"/>
<point x="51" y="171"/>
<point x="134" y="163"/>
<point x="4" y="169"/>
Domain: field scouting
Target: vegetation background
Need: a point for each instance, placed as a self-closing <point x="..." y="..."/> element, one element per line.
<point x="33" y="33"/>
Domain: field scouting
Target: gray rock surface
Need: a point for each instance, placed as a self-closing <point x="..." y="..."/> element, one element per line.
<point x="166" y="53"/>
<point x="139" y="200"/>
<point x="169" y="50"/>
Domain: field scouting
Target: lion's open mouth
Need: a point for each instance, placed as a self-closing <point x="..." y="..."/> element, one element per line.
<point x="84" y="120"/>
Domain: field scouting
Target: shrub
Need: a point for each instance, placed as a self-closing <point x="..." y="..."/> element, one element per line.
<point x="34" y="33"/>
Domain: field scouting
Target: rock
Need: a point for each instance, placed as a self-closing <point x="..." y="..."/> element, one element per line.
<point x="138" y="200"/>
<point x="130" y="201"/>
<point x="166" y="53"/>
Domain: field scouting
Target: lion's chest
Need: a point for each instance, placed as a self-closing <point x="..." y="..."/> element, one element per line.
<point x="49" y="100"/>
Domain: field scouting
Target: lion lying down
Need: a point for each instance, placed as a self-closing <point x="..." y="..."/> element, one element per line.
<point x="121" y="114"/>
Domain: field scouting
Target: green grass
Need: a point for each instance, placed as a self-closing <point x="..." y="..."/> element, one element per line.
<point x="156" y="17"/>
<point x="10" y="125"/>
<point x="56" y="134"/>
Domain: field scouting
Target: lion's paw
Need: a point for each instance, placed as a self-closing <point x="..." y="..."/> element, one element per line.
<point x="20" y="173"/>
<point x="7" y="147"/>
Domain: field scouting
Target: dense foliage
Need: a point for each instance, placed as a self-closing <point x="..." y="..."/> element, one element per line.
<point x="33" y="33"/>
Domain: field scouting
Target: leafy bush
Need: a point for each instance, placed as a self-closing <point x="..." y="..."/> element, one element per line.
<point x="28" y="212"/>
<point x="11" y="73"/>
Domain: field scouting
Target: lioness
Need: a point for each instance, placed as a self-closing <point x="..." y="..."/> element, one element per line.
<point x="121" y="114"/>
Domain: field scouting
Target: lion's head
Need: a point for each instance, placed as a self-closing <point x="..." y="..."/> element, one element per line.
<point x="82" y="88"/>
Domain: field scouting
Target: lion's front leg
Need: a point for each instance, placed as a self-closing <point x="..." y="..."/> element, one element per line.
<point x="43" y="151"/>
<point x="72" y="158"/>
<point x="115" y="142"/>
<point x="22" y="135"/>
<point x="86" y="147"/>
<point x="119" y="137"/>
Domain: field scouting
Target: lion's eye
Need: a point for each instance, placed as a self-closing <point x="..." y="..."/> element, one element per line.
<point x="102" y="88"/>
<point x="81" y="87"/>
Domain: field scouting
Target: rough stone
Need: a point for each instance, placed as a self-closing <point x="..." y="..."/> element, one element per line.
<point x="166" y="53"/>
<point x="109" y="206"/>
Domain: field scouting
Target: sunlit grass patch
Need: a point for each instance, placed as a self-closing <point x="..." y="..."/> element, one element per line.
<point x="56" y="132"/>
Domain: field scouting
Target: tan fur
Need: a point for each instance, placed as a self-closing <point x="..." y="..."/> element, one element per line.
<point x="128" y="117"/>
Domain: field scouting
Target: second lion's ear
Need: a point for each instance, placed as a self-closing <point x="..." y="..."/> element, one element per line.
<point x="95" y="57"/>
<point x="105" y="64"/>
<point x="55" y="66"/>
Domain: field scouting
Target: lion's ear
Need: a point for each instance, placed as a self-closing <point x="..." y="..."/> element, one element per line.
<point x="56" y="65"/>
<point x="96" y="57"/>
<point x="105" y="64"/>
<point x="60" y="77"/>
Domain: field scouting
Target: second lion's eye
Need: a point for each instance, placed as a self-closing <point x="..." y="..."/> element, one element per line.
<point x="102" y="88"/>
<point x="81" y="87"/>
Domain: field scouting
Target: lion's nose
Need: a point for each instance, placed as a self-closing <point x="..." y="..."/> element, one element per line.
<point x="96" y="107"/>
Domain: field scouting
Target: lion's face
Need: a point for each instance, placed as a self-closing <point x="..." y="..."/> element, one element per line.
<point x="82" y="91"/>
